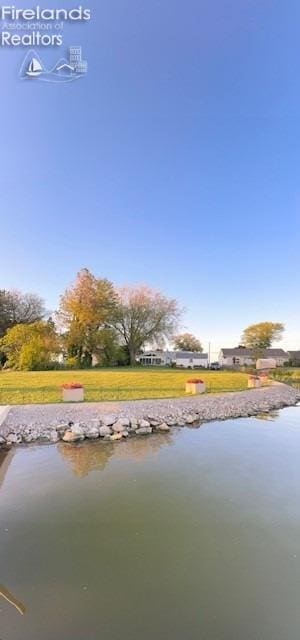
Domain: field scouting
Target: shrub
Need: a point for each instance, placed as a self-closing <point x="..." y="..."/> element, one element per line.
<point x="71" y="363"/>
<point x="30" y="346"/>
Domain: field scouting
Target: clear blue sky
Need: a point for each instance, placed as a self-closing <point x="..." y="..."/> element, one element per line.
<point x="174" y="162"/>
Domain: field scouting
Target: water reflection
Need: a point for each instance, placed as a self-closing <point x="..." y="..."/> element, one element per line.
<point x="138" y="449"/>
<point x="270" y="416"/>
<point x="86" y="457"/>
<point x="9" y="597"/>
<point x="94" y="456"/>
<point x="5" y="460"/>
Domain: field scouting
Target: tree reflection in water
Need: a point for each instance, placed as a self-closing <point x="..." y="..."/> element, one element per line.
<point x="86" y="457"/>
<point x="94" y="456"/>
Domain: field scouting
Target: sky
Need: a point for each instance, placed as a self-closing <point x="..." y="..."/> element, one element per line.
<point x="173" y="162"/>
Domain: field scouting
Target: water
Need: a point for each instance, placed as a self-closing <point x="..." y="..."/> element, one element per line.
<point x="192" y="535"/>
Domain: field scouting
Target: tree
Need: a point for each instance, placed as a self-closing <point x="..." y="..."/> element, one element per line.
<point x="144" y="316"/>
<point x="30" y="346"/>
<point x="261" y="336"/>
<point x="85" y="309"/>
<point x="19" y="308"/>
<point x="187" y="342"/>
<point x="108" y="350"/>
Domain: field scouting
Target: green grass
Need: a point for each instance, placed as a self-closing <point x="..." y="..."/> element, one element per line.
<point x="18" y="387"/>
<point x="294" y="373"/>
<point x="290" y="375"/>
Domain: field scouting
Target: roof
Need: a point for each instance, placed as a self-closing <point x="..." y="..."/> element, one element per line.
<point x="266" y="353"/>
<point x="189" y="354"/>
<point x="294" y="354"/>
<point x="175" y="354"/>
<point x="238" y="351"/>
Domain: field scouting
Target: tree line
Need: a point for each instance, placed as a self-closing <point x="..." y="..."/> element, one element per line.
<point x="98" y="322"/>
<point x="94" y="321"/>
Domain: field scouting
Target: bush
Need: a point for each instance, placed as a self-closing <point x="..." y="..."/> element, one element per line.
<point x="30" y="346"/>
<point x="71" y="363"/>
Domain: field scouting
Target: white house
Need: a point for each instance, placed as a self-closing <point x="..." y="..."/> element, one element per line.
<point x="190" y="359"/>
<point x="241" y="356"/>
<point x="151" y="358"/>
<point x="184" y="359"/>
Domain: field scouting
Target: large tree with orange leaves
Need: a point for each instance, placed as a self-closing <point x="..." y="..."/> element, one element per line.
<point x="85" y="310"/>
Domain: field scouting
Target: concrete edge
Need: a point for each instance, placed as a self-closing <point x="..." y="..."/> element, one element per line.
<point x="4" y="411"/>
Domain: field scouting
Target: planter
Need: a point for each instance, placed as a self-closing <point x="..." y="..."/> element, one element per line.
<point x="73" y="393"/>
<point x="195" y="386"/>
<point x="254" y="382"/>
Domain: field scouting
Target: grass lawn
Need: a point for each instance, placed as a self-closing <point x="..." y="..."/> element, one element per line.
<point x="290" y="375"/>
<point x="294" y="373"/>
<point x="17" y="387"/>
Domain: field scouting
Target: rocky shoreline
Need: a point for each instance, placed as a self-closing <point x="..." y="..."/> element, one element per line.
<point x="71" y="423"/>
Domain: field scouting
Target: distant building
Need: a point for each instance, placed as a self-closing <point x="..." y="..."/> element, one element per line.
<point x="79" y="65"/>
<point x="183" y="359"/>
<point x="190" y="359"/>
<point x="294" y="357"/>
<point x="241" y="356"/>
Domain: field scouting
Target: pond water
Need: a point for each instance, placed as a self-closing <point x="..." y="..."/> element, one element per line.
<point x="192" y="535"/>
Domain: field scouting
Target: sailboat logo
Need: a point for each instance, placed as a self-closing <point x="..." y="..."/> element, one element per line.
<point x="65" y="70"/>
<point x="34" y="68"/>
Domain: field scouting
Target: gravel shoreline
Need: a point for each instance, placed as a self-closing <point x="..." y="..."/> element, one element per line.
<point x="115" y="420"/>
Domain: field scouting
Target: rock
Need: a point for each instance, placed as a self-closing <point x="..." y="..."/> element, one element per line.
<point x="144" y="423"/>
<point x="171" y="422"/>
<point x="95" y="422"/>
<point x="124" y="421"/>
<point x="30" y="437"/>
<point x="108" y="420"/>
<point x="53" y="436"/>
<point x="116" y="436"/>
<point x="61" y="428"/>
<point x="134" y="423"/>
<point x="125" y="434"/>
<point x="78" y="430"/>
<point x="92" y="433"/>
<point x="163" y="427"/>
<point x="44" y="436"/>
<point x="190" y="419"/>
<point x="2" y="440"/>
<point x="14" y="438"/>
<point x="118" y="427"/>
<point x="154" y="423"/>
<point x="104" y="431"/>
<point x="143" y="431"/>
<point x="70" y="436"/>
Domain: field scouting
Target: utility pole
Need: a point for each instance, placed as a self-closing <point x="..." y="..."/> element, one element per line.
<point x="208" y="354"/>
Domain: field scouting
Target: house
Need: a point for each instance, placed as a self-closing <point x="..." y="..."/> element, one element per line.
<point x="241" y="356"/>
<point x="154" y="358"/>
<point x="184" y="359"/>
<point x="190" y="359"/>
<point x="294" y="357"/>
